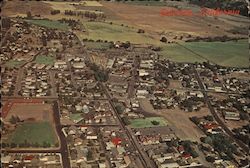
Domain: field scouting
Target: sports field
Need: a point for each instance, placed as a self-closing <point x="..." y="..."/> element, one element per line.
<point x="47" y="60"/>
<point x="233" y="54"/>
<point x="34" y="133"/>
<point x="148" y="122"/>
<point x="53" y="24"/>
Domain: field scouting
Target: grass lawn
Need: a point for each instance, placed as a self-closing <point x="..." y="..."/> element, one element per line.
<point x="147" y="122"/>
<point x="114" y="32"/>
<point x="76" y="117"/>
<point x="233" y="54"/>
<point x="53" y="24"/>
<point x="96" y="45"/>
<point x="14" y="63"/>
<point x="34" y="132"/>
<point x="47" y="60"/>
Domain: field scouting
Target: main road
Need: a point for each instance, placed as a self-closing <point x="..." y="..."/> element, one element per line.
<point x="146" y="161"/>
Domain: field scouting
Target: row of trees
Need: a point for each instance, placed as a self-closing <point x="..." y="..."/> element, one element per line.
<point x="88" y="14"/>
<point x="100" y="74"/>
<point x="54" y="12"/>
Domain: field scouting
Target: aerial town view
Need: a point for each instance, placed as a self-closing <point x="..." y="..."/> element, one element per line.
<point x="125" y="84"/>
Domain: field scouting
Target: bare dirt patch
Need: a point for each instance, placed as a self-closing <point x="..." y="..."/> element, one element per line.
<point x="183" y="127"/>
<point x="37" y="112"/>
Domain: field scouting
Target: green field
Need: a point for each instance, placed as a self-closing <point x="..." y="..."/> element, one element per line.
<point x="34" y="132"/>
<point x="47" y="60"/>
<point x="96" y="45"/>
<point x="76" y="117"/>
<point x="14" y="63"/>
<point x="114" y="32"/>
<point x="145" y="3"/>
<point x="233" y="54"/>
<point x="53" y="24"/>
<point x="177" y="53"/>
<point x="147" y="122"/>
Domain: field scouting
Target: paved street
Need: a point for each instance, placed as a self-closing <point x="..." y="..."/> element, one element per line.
<point x="215" y="115"/>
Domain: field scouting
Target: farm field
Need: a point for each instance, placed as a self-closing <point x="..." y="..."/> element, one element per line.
<point x="47" y="60"/>
<point x="50" y="24"/>
<point x="34" y="133"/>
<point x="149" y="18"/>
<point x="112" y="32"/>
<point x="147" y="122"/>
<point x="233" y="54"/>
<point x="174" y="52"/>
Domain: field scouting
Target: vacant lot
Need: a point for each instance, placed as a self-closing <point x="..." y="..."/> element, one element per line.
<point x="50" y="24"/>
<point x="34" y="133"/>
<point x="14" y="63"/>
<point x="25" y="111"/>
<point x="233" y="54"/>
<point x="183" y="127"/>
<point x="148" y="122"/>
<point x="47" y="60"/>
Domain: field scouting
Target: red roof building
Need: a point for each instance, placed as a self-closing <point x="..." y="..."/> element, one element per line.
<point x="116" y="141"/>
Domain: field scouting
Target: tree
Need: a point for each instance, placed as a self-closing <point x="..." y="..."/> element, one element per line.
<point x="13" y="145"/>
<point x="210" y="159"/>
<point x="140" y="31"/>
<point x="163" y="39"/>
<point x="44" y="40"/>
<point x="29" y="16"/>
<point x="155" y="122"/>
<point x="119" y="109"/>
<point x="6" y="23"/>
<point x="209" y="118"/>
<point x="13" y="120"/>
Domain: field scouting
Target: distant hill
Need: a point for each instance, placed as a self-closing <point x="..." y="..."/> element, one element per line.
<point x="240" y="5"/>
